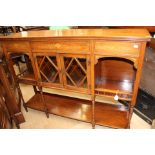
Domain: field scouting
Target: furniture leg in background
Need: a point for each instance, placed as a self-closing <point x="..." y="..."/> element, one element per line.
<point x="10" y="99"/>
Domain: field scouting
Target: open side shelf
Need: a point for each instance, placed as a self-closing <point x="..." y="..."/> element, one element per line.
<point x="110" y="88"/>
<point x="114" y="76"/>
<point x="105" y="114"/>
<point x="27" y="77"/>
<point x="22" y="66"/>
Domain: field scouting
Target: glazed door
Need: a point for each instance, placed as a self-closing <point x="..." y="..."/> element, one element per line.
<point x="76" y="72"/>
<point x="49" y="69"/>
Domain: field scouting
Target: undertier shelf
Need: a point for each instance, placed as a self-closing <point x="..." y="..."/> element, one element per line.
<point x="105" y="114"/>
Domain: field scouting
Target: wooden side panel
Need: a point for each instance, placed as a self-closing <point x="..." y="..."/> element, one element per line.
<point x="138" y="75"/>
<point x="116" y="70"/>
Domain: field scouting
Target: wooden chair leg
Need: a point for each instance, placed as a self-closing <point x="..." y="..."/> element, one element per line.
<point x="47" y="114"/>
<point x="43" y="100"/>
<point x="20" y="93"/>
<point x="35" y="89"/>
<point x="13" y="119"/>
<point x="25" y="107"/>
<point x="18" y="126"/>
<point x="11" y="122"/>
<point x="129" y="116"/>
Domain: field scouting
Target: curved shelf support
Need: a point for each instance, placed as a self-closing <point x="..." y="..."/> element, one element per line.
<point x="134" y="60"/>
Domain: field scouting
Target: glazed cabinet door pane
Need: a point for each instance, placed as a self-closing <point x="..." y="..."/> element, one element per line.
<point x="76" y="71"/>
<point x="49" y="68"/>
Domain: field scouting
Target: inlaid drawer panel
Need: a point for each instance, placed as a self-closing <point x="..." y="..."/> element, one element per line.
<point x="63" y="46"/>
<point x="117" y="48"/>
<point x="17" y="46"/>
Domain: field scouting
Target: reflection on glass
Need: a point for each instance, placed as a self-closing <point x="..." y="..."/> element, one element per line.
<point x="48" y="69"/>
<point x="76" y="71"/>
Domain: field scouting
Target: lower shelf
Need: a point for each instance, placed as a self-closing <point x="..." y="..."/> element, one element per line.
<point x="125" y="86"/>
<point x="105" y="114"/>
<point x="27" y="78"/>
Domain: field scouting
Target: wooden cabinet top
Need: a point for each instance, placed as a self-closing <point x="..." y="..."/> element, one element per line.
<point x="111" y="34"/>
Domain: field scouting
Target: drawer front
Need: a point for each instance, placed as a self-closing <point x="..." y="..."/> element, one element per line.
<point x="18" y="46"/>
<point x="64" y="46"/>
<point x="117" y="48"/>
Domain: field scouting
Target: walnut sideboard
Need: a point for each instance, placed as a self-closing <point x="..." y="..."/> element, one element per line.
<point x="96" y="62"/>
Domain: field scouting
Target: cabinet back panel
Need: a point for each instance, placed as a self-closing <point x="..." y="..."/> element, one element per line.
<point x="115" y="69"/>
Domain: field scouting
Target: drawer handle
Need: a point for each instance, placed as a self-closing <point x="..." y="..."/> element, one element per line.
<point x="135" y="46"/>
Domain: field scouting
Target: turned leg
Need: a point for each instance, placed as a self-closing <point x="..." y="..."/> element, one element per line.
<point x="25" y="107"/>
<point x="20" y="94"/>
<point x="93" y="112"/>
<point x="13" y="119"/>
<point x="11" y="122"/>
<point x="129" y="116"/>
<point x="43" y="100"/>
<point x="17" y="125"/>
<point x="35" y="89"/>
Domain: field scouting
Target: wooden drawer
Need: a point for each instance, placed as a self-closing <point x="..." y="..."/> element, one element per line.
<point x="17" y="46"/>
<point x="62" y="47"/>
<point x="117" y="48"/>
